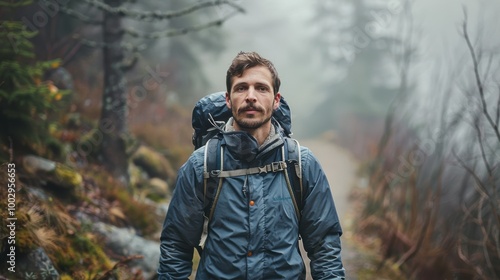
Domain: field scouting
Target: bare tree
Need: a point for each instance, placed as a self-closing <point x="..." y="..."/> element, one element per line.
<point x="479" y="240"/>
<point x="118" y="57"/>
<point x="443" y="222"/>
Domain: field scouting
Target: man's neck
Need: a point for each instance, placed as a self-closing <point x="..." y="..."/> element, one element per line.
<point x="260" y="134"/>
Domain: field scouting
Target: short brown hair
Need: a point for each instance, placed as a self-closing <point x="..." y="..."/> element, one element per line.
<point x="246" y="60"/>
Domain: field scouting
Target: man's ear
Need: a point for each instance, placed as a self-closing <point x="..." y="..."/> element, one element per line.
<point x="228" y="100"/>
<point x="277" y="99"/>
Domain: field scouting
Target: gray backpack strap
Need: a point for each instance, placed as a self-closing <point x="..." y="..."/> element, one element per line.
<point x="290" y="188"/>
<point x="212" y="159"/>
<point x="272" y="167"/>
<point x="294" y="163"/>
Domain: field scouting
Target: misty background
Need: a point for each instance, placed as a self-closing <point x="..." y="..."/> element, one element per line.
<point x="401" y="98"/>
<point x="287" y="32"/>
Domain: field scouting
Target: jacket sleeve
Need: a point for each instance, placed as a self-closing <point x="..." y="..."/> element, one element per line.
<point x="319" y="226"/>
<point x="183" y="223"/>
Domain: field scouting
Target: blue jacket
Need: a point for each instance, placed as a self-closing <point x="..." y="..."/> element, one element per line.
<point x="254" y="231"/>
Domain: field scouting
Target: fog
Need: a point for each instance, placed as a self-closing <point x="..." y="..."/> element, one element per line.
<point x="278" y="30"/>
<point x="404" y="110"/>
<point x="283" y="31"/>
<point x="408" y="92"/>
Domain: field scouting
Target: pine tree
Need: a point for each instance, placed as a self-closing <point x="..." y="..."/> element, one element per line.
<point x="25" y="100"/>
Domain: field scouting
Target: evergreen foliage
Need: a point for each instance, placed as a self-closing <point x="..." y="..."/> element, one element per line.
<point x="25" y="100"/>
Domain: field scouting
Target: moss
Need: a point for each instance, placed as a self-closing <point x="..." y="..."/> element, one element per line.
<point x="68" y="177"/>
<point x="155" y="189"/>
<point x="97" y="256"/>
<point x="81" y="253"/>
<point x="153" y="163"/>
<point x="66" y="277"/>
<point x="155" y="197"/>
<point x="136" y="175"/>
<point x="139" y="215"/>
<point x="74" y="250"/>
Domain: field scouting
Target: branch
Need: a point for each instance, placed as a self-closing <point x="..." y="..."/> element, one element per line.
<point x="462" y="255"/>
<point x="488" y="67"/>
<point x="175" y="32"/>
<point x="478" y="78"/>
<point x="498" y="106"/>
<point x="482" y="188"/>
<point x="414" y="249"/>
<point x="485" y="230"/>
<point x="464" y="241"/>
<point x="486" y="237"/>
<point x="126" y="63"/>
<point x="156" y="15"/>
<point x="481" y="146"/>
<point x="76" y="14"/>
<point x="474" y="175"/>
<point x="99" y="44"/>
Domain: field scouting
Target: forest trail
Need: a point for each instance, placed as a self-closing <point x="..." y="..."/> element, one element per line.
<point x="340" y="168"/>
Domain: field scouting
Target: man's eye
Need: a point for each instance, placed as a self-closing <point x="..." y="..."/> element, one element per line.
<point x="263" y="89"/>
<point x="240" y="89"/>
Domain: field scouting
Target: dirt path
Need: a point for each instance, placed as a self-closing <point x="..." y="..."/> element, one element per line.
<point x="340" y="168"/>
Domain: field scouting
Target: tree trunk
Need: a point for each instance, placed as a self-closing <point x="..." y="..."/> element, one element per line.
<point x="113" y="122"/>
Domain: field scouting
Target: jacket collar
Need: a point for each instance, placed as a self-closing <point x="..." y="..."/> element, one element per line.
<point x="244" y="139"/>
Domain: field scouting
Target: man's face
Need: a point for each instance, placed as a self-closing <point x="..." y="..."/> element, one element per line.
<point x="252" y="100"/>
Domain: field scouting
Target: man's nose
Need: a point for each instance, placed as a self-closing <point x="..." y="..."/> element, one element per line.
<point x="251" y="95"/>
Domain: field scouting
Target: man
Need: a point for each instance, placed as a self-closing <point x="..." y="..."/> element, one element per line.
<point x="254" y="230"/>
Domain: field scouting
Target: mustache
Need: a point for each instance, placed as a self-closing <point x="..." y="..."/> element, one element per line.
<point x="251" y="107"/>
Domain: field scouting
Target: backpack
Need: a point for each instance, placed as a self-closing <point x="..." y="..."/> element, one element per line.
<point x="209" y="117"/>
<point x="211" y="111"/>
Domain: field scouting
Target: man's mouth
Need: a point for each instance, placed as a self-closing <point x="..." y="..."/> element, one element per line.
<point x="250" y="110"/>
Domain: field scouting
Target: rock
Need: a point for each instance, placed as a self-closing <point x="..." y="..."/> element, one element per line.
<point x="34" y="164"/>
<point x="56" y="173"/>
<point x="153" y="163"/>
<point x="155" y="189"/>
<point x="158" y="186"/>
<point x="125" y="242"/>
<point x="137" y="176"/>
